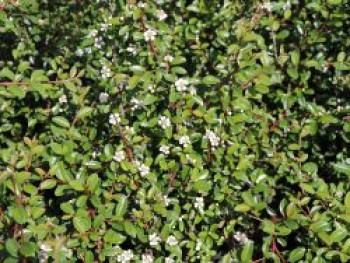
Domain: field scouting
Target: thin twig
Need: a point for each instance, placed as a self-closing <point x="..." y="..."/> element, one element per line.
<point x="8" y="83"/>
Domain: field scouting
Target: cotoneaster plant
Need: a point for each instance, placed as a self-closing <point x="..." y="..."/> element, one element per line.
<point x="174" y="131"/>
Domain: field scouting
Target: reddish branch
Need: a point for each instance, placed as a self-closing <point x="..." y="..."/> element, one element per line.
<point x="276" y="123"/>
<point x="3" y="7"/>
<point x="8" y="83"/>
<point x="143" y="28"/>
<point x="172" y="178"/>
<point x="274" y="246"/>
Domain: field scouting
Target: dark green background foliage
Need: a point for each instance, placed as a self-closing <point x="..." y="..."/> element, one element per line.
<point x="263" y="97"/>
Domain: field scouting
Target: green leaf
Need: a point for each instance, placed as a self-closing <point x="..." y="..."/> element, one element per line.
<point x="61" y="121"/>
<point x="202" y="186"/>
<point x="76" y="185"/>
<point x="210" y="80"/>
<point x="84" y="112"/>
<point x="82" y="224"/>
<point x="17" y="91"/>
<point x="113" y="237"/>
<point x="342" y="168"/>
<point x="347" y="200"/>
<point x="38" y="76"/>
<point x="247" y="252"/>
<point x="95" y="165"/>
<point x="7" y="73"/>
<point x="325" y="238"/>
<point x="88" y="257"/>
<point x="93" y="182"/>
<point x="296" y="255"/>
<point x="293" y="73"/>
<point x="130" y="228"/>
<point x="310" y="167"/>
<point x="48" y="184"/>
<point x="307" y="188"/>
<point x="226" y="259"/>
<point x="242" y="208"/>
<point x="295" y="56"/>
<point x="149" y="99"/>
<point x="121" y="207"/>
<point x="19" y="214"/>
<point x="11" y="247"/>
<point x="133" y="81"/>
<point x="334" y="2"/>
<point x="339" y="234"/>
<point x="28" y="249"/>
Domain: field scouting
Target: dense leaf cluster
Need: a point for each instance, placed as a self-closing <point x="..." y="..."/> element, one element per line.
<point x="174" y="131"/>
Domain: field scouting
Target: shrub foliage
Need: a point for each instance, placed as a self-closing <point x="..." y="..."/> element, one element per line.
<point x="174" y="131"/>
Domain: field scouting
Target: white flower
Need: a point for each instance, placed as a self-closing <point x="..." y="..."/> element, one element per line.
<point x="106" y="72"/>
<point x="168" y="58"/>
<point x="43" y="253"/>
<point x="104" y="26"/>
<point x="339" y="194"/>
<point x="161" y="15"/>
<point x="150" y="34"/>
<point x="193" y="91"/>
<point x="129" y="130"/>
<point x="114" y="119"/>
<point x="126" y="256"/>
<point x="98" y="45"/>
<point x="79" y="52"/>
<point x="169" y="260"/>
<point x="166" y="200"/>
<point x="103" y="97"/>
<point x="45" y="247"/>
<point x="300" y="30"/>
<point x="181" y="84"/>
<point x="164" y="122"/>
<point x="151" y="88"/>
<point x="171" y="241"/>
<point x="198" y="245"/>
<point x="147" y="258"/>
<point x="141" y="5"/>
<point x="131" y="49"/>
<point x="31" y="60"/>
<point x="119" y="156"/>
<point x="92" y="33"/>
<point x="154" y="239"/>
<point x="184" y="141"/>
<point x="211" y="136"/>
<point x="164" y="149"/>
<point x="143" y="170"/>
<point x="121" y="86"/>
<point x="95" y="154"/>
<point x="88" y="50"/>
<point x="260" y="177"/>
<point x="26" y="230"/>
<point x="67" y="252"/>
<point x="267" y="6"/>
<point x="98" y="42"/>
<point x="324" y="68"/>
<point x="42" y="256"/>
<point x="269" y="154"/>
<point x="137" y="104"/>
<point x="190" y="160"/>
<point x="241" y="237"/>
<point x="286" y="6"/>
<point x="199" y="204"/>
<point x="62" y="99"/>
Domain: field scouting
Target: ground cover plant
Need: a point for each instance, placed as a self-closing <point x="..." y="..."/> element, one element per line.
<point x="174" y="131"/>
